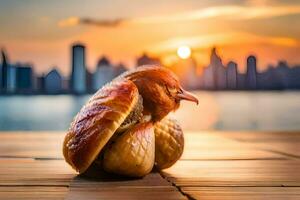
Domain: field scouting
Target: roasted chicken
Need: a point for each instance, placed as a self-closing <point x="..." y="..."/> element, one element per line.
<point x="123" y="128"/>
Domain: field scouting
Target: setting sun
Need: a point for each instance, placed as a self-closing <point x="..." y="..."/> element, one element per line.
<point x="184" y="52"/>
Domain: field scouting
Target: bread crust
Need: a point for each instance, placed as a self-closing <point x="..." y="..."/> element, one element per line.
<point x="132" y="153"/>
<point x="97" y="121"/>
<point x="169" y="142"/>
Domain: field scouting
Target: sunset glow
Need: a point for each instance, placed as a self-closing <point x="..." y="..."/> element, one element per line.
<point x="184" y="52"/>
<point x="237" y="29"/>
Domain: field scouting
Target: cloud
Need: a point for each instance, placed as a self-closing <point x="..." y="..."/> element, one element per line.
<point x="219" y="12"/>
<point x="284" y="41"/>
<point x="68" y="22"/>
<point x="74" y="21"/>
<point x="225" y="12"/>
<point x="268" y="11"/>
<point x="271" y="2"/>
<point x="228" y="38"/>
<point x="111" y="23"/>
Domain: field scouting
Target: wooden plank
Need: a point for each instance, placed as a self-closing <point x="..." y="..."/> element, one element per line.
<point x="99" y="179"/>
<point x="33" y="192"/>
<point x="125" y="193"/>
<point x="235" y="173"/>
<point x="283" y="148"/>
<point x="21" y="172"/>
<point x="198" y="145"/>
<point x="214" y="165"/>
<point x="287" y="143"/>
<point x="108" y="186"/>
<point x="262" y="136"/>
<point x="210" y="146"/>
<point x="242" y="193"/>
<point x="31" y="144"/>
<point x="53" y="173"/>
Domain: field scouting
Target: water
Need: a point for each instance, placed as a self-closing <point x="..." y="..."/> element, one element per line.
<point x="216" y="111"/>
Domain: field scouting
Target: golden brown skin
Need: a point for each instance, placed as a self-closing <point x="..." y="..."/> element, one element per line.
<point x="97" y="130"/>
<point x="153" y="84"/>
<point x="169" y="143"/>
<point x="160" y="89"/>
<point x="132" y="154"/>
<point x="97" y="121"/>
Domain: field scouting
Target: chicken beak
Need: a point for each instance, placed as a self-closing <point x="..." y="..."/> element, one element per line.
<point x="185" y="95"/>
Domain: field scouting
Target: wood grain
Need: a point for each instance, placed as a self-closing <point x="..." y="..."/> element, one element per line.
<point x="210" y="146"/>
<point x="215" y="165"/>
<point x="33" y="192"/>
<point x="105" y="186"/>
<point x="243" y="193"/>
<point x="26" y="172"/>
<point x="31" y="144"/>
<point x="235" y="173"/>
<point x="285" y="143"/>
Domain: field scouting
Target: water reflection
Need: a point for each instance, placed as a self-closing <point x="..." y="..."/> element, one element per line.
<point x="39" y="112"/>
<point x="216" y="110"/>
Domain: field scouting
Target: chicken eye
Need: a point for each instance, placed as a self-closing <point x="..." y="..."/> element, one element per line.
<point x="172" y="90"/>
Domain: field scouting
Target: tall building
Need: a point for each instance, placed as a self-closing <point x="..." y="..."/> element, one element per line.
<point x="231" y="75"/>
<point x="53" y="82"/>
<point x="4" y="71"/>
<point x="104" y="73"/>
<point x="78" y="76"/>
<point x="192" y="79"/>
<point x="24" y="79"/>
<point x="208" y="79"/>
<point x="40" y="84"/>
<point x="218" y="70"/>
<point x="251" y="82"/>
<point x="294" y="80"/>
<point x="241" y="81"/>
<point x="11" y="79"/>
<point x="282" y="75"/>
<point x="89" y="81"/>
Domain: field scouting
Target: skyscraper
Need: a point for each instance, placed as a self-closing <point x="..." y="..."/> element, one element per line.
<point x="4" y="71"/>
<point x="78" y="76"/>
<point x="11" y="79"/>
<point x="192" y="80"/>
<point x="208" y="78"/>
<point x="218" y="70"/>
<point x="231" y="75"/>
<point x="24" y="79"/>
<point x="251" y="81"/>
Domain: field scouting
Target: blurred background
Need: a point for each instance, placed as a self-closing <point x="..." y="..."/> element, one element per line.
<point x="240" y="57"/>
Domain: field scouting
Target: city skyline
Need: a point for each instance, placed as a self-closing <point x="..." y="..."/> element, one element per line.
<point x="143" y="57"/>
<point x="217" y="75"/>
<point x="41" y="31"/>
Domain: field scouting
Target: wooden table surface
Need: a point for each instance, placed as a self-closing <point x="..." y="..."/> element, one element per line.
<point x="215" y="165"/>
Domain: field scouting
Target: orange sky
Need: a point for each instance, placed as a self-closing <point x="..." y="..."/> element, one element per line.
<point x="41" y="33"/>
